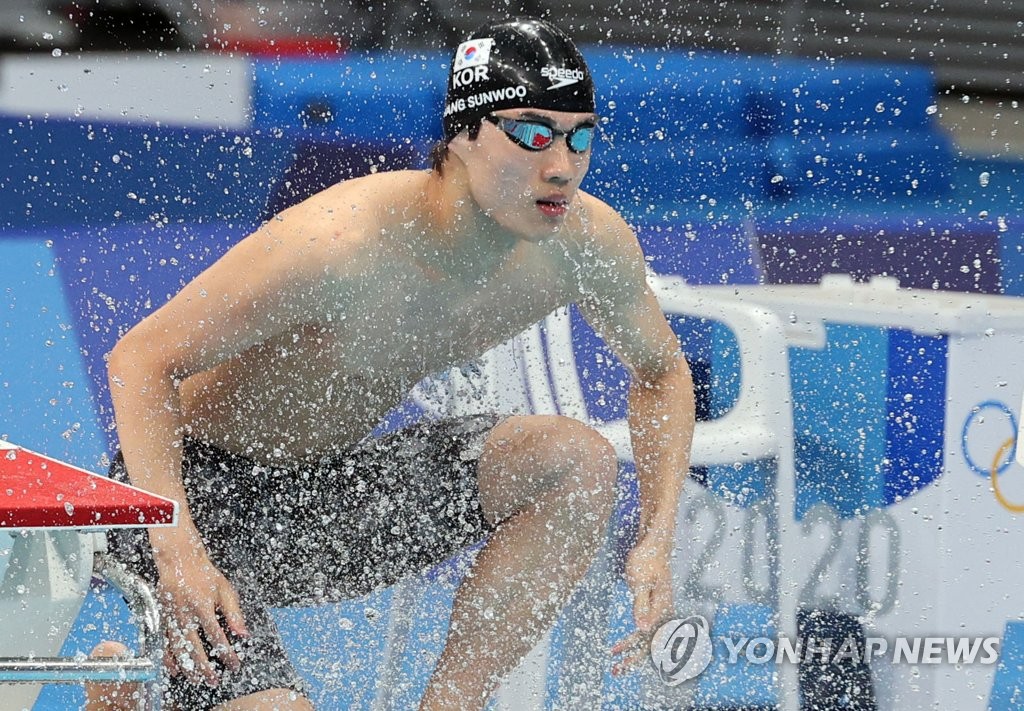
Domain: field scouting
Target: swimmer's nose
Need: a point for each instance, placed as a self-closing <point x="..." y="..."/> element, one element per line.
<point x="558" y="166"/>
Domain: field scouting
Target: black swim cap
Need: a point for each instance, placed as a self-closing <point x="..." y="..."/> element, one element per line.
<point x="522" y="62"/>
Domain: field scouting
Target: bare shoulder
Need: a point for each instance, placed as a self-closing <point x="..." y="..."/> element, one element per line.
<point x="362" y="196"/>
<point x="608" y="248"/>
<point x="334" y="225"/>
<point x="306" y="252"/>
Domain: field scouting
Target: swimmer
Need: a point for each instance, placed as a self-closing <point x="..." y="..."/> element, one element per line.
<point x="249" y="397"/>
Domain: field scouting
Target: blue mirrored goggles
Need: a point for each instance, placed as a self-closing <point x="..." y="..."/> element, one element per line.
<point x="536" y="136"/>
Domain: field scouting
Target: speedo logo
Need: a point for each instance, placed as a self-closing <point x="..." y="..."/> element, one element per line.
<point x="560" y="76"/>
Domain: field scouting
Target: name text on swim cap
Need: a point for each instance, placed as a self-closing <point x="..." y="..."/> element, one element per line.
<point x="484" y="98"/>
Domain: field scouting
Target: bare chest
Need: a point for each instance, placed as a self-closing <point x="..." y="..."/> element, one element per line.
<point x="412" y="326"/>
<point x="330" y="380"/>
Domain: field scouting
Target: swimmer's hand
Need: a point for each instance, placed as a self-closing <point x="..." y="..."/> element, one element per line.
<point x="193" y="592"/>
<point x="650" y="580"/>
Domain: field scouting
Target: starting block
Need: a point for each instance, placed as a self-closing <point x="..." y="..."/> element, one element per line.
<point x="57" y="513"/>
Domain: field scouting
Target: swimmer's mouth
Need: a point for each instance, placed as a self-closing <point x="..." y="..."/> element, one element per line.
<point x="554" y="206"/>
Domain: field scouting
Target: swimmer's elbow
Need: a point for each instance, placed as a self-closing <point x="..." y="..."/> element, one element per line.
<point x="669" y="369"/>
<point x="137" y="357"/>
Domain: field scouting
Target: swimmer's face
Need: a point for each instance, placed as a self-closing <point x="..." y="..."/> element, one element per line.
<point x="529" y="192"/>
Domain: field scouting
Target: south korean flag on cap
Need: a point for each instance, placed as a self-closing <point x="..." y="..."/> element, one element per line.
<point x="473" y="53"/>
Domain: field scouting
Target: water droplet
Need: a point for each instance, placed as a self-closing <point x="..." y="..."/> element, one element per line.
<point x="933" y="109"/>
<point x="983" y="178"/>
<point x="56" y="52"/>
<point x="116" y="158"/>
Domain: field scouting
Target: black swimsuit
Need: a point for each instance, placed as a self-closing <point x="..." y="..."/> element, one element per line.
<point x="339" y="528"/>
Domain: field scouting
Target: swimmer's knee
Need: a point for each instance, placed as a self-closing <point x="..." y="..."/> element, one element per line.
<point x="108" y="648"/>
<point x="110" y="696"/>
<point x="555" y="452"/>
<point x="586" y="470"/>
<point x="579" y="455"/>
<point x="559" y="442"/>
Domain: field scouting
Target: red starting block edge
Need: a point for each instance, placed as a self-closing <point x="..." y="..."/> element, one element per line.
<point x="40" y="492"/>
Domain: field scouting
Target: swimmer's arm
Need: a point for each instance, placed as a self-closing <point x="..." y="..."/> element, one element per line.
<point x="625" y="313"/>
<point x="271" y="281"/>
<point x="267" y="283"/>
<point x="620" y="306"/>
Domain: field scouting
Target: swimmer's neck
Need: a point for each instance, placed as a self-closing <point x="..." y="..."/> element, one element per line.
<point x="461" y="236"/>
